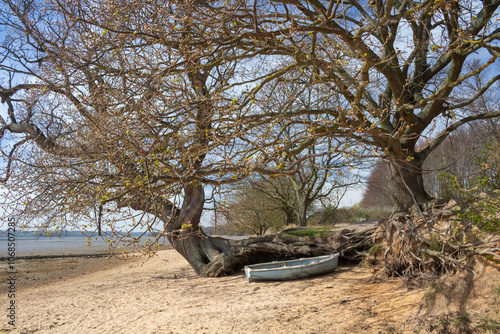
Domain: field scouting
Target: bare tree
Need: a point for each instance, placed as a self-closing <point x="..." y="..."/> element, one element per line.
<point x="247" y="210"/>
<point x="400" y="69"/>
<point x="138" y="105"/>
<point x="120" y="108"/>
<point x="458" y="159"/>
<point x="318" y="179"/>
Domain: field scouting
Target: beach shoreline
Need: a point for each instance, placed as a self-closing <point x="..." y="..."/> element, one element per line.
<point x="33" y="247"/>
<point x="78" y="252"/>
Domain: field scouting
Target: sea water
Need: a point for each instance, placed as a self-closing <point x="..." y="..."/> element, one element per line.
<point x="28" y="246"/>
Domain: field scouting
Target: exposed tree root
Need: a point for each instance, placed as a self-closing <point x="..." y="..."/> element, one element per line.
<point x="433" y="243"/>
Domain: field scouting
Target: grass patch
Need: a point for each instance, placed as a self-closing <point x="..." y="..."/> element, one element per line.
<point x="496" y="291"/>
<point x="461" y="321"/>
<point x="375" y="249"/>
<point x="311" y="232"/>
<point x="435" y="244"/>
<point x="430" y="296"/>
<point x="489" y="324"/>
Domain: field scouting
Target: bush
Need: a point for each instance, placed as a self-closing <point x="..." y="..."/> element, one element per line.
<point x="332" y="217"/>
<point x="483" y="191"/>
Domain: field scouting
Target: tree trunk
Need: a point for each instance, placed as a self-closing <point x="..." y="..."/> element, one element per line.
<point x="288" y="216"/>
<point x="407" y="184"/>
<point x="185" y="234"/>
<point x="300" y="206"/>
<point x="302" y="216"/>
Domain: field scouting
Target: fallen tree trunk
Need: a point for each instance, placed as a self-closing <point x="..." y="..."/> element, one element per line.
<point x="215" y="256"/>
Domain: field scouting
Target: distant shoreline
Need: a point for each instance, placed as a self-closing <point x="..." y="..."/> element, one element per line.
<point x="94" y="253"/>
<point x="33" y="248"/>
<point x="55" y="256"/>
<point x="29" y="247"/>
<point x="72" y="253"/>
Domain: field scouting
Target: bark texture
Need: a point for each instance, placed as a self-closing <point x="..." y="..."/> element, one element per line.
<point x="407" y="184"/>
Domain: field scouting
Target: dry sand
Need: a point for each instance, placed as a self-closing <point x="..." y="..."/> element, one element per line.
<point x="164" y="295"/>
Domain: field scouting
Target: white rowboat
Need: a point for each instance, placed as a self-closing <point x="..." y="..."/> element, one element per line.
<point x="292" y="269"/>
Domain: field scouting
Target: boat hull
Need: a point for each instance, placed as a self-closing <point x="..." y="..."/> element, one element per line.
<point x="292" y="269"/>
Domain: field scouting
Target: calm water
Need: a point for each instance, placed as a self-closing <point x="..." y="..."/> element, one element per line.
<point x="67" y="245"/>
<point x="51" y="246"/>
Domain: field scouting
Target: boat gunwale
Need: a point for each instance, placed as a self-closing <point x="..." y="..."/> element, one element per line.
<point x="283" y="267"/>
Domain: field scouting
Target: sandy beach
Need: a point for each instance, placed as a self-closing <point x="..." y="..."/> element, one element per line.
<point x="164" y="295"/>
